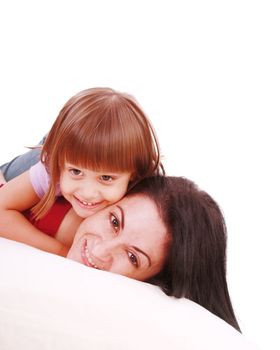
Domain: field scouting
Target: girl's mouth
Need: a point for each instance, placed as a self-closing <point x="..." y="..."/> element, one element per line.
<point x="86" y="258"/>
<point x="87" y="205"/>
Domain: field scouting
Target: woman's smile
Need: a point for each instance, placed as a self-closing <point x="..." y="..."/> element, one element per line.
<point x="86" y="258"/>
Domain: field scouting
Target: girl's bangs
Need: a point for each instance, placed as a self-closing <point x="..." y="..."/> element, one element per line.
<point x="117" y="138"/>
<point x="101" y="151"/>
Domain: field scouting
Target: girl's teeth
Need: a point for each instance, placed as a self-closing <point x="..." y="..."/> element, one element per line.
<point x="87" y="203"/>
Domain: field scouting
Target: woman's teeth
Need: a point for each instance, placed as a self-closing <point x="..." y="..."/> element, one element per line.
<point x="89" y="259"/>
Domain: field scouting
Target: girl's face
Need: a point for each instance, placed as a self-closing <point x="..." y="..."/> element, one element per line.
<point x="128" y="238"/>
<point x="89" y="191"/>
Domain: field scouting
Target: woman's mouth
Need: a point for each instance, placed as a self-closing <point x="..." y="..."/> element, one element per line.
<point x="86" y="258"/>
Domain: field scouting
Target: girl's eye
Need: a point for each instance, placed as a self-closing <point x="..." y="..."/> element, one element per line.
<point x="75" y="172"/>
<point x="115" y="223"/>
<point x="133" y="259"/>
<point x="106" y="178"/>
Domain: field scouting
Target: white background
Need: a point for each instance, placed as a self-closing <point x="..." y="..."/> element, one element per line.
<point x="207" y="74"/>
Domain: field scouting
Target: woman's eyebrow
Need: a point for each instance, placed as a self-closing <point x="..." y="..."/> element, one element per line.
<point x="122" y="215"/>
<point x="146" y="255"/>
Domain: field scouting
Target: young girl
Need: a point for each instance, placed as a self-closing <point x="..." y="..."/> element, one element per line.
<point x="100" y="145"/>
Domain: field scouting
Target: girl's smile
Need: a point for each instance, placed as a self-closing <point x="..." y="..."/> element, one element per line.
<point x="87" y="205"/>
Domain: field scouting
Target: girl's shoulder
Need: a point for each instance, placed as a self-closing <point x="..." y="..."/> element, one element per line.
<point x="39" y="178"/>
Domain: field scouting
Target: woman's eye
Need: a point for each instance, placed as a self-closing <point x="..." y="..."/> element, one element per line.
<point x="106" y="178"/>
<point x="115" y="223"/>
<point x="75" y="172"/>
<point x="133" y="259"/>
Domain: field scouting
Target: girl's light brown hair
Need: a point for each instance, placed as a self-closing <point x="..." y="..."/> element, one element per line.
<point x="100" y="129"/>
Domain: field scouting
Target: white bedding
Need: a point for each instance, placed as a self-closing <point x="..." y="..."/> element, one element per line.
<point x="48" y="302"/>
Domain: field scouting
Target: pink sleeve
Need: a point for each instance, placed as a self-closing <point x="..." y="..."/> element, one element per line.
<point x="39" y="179"/>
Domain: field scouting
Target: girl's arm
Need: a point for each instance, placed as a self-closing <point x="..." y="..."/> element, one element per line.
<point x="16" y="196"/>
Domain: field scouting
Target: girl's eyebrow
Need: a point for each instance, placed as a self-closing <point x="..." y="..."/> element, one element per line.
<point x="136" y="248"/>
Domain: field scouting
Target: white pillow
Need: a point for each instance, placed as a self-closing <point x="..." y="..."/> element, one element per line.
<point x="49" y="302"/>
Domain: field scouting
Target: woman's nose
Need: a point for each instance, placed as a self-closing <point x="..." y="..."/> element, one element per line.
<point x="103" y="251"/>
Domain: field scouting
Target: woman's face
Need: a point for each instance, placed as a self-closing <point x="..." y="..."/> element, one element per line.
<point x="127" y="238"/>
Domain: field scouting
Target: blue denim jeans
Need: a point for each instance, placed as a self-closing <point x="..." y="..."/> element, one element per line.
<point x="21" y="163"/>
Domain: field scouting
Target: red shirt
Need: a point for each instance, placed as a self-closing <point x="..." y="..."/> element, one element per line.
<point x="50" y="223"/>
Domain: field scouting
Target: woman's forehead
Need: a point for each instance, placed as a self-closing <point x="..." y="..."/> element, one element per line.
<point x="137" y="202"/>
<point x="143" y="223"/>
<point x="141" y="212"/>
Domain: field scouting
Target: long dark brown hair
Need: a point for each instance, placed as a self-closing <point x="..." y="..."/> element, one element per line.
<point x="195" y="267"/>
<point x="100" y="129"/>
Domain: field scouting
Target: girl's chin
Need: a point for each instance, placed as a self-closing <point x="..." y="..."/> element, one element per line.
<point x="85" y="213"/>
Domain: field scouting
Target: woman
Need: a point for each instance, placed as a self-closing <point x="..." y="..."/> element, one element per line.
<point x="165" y="231"/>
<point x="168" y="232"/>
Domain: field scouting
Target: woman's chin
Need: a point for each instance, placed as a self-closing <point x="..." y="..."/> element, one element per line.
<point x="72" y="255"/>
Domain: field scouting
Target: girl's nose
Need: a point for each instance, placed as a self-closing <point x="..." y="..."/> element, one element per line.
<point x="90" y="192"/>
